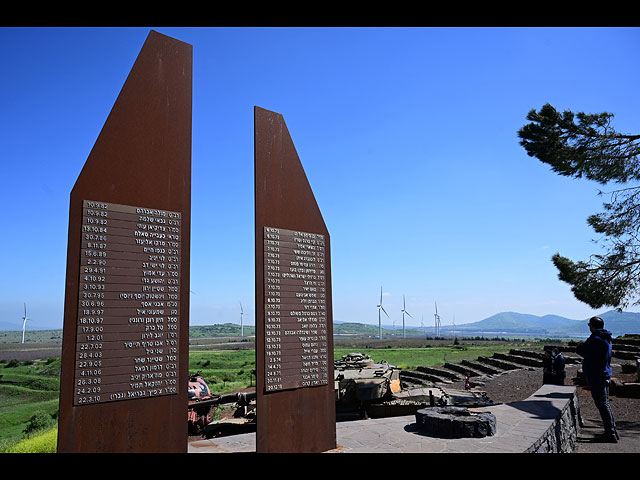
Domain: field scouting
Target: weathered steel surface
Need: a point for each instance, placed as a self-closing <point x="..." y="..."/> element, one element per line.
<point x="142" y="158"/>
<point x="300" y="419"/>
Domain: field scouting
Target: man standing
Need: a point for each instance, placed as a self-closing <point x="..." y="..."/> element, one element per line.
<point x="596" y="367"/>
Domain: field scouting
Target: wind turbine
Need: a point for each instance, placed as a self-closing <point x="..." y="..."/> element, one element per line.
<point x="404" y="310"/>
<point x="241" y="326"/>
<point x="437" y="319"/>
<point x="24" y="321"/>
<point x="380" y="307"/>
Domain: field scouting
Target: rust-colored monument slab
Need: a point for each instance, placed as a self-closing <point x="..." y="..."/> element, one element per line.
<point x="294" y="321"/>
<point x="126" y="317"/>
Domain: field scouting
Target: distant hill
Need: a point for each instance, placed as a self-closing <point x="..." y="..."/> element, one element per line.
<point x="618" y="323"/>
<point x="352" y="328"/>
<point x="220" y="330"/>
<point x="9" y="326"/>
<point x="519" y="322"/>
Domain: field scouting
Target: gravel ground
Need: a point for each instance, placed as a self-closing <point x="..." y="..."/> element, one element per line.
<point x="520" y="384"/>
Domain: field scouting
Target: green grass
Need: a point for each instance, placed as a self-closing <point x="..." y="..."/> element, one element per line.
<point x="32" y="336"/>
<point x="224" y="370"/>
<point x="410" y="358"/>
<point x="26" y="388"/>
<point x="45" y="442"/>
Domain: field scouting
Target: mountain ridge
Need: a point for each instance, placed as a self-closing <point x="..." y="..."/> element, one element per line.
<point x="501" y="324"/>
<point x="618" y="323"/>
<point x="514" y="323"/>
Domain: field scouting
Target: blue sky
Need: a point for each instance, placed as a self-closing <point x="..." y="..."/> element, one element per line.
<point x="408" y="137"/>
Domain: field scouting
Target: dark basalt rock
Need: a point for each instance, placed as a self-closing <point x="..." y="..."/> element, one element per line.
<point x="455" y="422"/>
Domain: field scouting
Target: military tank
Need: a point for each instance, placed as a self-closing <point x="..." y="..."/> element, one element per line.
<point x="202" y="405"/>
<point x="360" y="383"/>
<point x="365" y="389"/>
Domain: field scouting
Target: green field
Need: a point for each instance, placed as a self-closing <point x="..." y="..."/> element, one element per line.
<point x="225" y="370"/>
<point x="29" y="392"/>
<point x="410" y="358"/>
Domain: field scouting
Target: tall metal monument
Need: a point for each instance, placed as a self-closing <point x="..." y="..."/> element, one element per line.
<point x="294" y="320"/>
<point x="126" y="316"/>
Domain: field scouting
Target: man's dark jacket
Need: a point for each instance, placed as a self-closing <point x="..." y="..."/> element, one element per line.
<point x="596" y="353"/>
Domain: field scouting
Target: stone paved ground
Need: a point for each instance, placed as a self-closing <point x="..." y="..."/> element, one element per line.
<point x="520" y="426"/>
<point x="515" y="386"/>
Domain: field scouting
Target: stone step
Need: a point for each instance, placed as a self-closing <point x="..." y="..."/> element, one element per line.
<point x="625" y="355"/>
<point x="565" y="348"/>
<point x="420" y="378"/>
<point x="411" y="376"/>
<point x="527" y="353"/>
<point x="625" y="348"/>
<point x="481" y="367"/>
<point x="463" y="369"/>
<point x="570" y="359"/>
<point x="626" y="341"/>
<point x="519" y="360"/>
<point x="625" y="389"/>
<point x="616" y="347"/>
<point x="440" y="372"/>
<point x="501" y="364"/>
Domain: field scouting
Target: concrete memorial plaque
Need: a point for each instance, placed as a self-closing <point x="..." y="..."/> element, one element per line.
<point x="294" y="320"/>
<point x="126" y="316"/>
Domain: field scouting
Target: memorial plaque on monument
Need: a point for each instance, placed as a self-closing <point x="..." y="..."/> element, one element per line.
<point x="294" y="320"/>
<point x="123" y="383"/>
<point x="295" y="310"/>
<point x="127" y="339"/>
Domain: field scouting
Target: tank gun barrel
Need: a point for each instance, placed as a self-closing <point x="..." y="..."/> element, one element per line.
<point x="242" y="398"/>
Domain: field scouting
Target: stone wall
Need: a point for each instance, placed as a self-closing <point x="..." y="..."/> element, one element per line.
<point x="562" y="435"/>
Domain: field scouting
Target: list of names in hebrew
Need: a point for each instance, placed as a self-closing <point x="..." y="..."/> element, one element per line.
<point x="127" y="335"/>
<point x="295" y="318"/>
